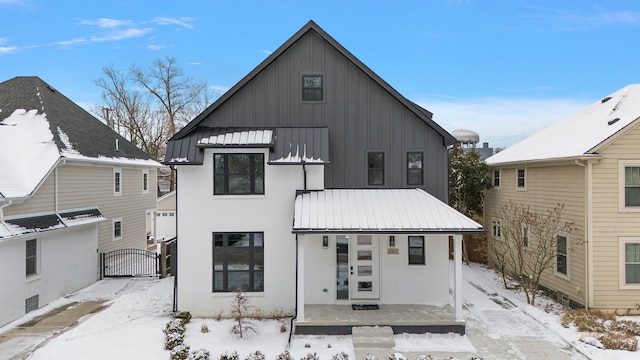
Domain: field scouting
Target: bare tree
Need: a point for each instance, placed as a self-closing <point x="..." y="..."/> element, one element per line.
<point x="527" y="244"/>
<point x="147" y="107"/>
<point x="240" y="310"/>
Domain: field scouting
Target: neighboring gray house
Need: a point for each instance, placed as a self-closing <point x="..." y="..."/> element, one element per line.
<point x="315" y="186"/>
<point x="70" y="188"/>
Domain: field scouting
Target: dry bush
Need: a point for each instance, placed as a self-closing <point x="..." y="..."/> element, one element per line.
<point x="612" y="333"/>
<point x="204" y="328"/>
<point x="283" y="328"/>
<point x="618" y="341"/>
<point x="277" y="314"/>
<point x="218" y="316"/>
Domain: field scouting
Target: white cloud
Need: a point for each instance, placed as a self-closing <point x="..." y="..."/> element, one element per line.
<point x="219" y="88"/>
<point x="122" y="34"/>
<point x="185" y="22"/>
<point x="155" y="47"/>
<point x="8" y="50"/>
<point x="107" y="23"/>
<point x="500" y="121"/>
<point x="597" y="17"/>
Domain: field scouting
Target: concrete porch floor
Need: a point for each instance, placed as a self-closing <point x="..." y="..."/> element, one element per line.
<point x="411" y="318"/>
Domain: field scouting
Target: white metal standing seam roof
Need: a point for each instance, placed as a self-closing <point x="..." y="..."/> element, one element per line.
<point x="377" y="210"/>
<point x="239" y="137"/>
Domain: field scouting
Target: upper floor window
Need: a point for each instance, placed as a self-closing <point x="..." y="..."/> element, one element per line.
<point x="238" y="262"/>
<point x="312" y="88"/>
<point x="416" y="250"/>
<point x="32" y="257"/>
<point x="521" y="178"/>
<point x="497" y="228"/>
<point x="238" y="174"/>
<point x="117" y="181"/>
<point x="562" y="257"/>
<point x="414" y="168"/>
<point x="375" y="168"/>
<point x="632" y="186"/>
<point x="145" y="181"/>
<point x="496" y="178"/>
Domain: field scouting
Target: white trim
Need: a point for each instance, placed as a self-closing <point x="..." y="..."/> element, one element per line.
<point x="621" y="262"/>
<point x="622" y="164"/>
<point x="493" y="178"/>
<point x="521" y="188"/>
<point x="36" y="274"/>
<point x="566" y="276"/>
<point x="145" y="183"/>
<point x="117" y="189"/>
<point x="113" y="229"/>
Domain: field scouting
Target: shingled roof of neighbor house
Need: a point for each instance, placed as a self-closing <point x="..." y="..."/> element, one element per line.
<point x="582" y="134"/>
<point x="39" y="126"/>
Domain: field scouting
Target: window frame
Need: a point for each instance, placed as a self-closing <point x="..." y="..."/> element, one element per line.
<point x="525" y="236"/>
<point x="566" y="256"/>
<point x="114" y="229"/>
<point x="304" y="88"/>
<point x="382" y="169"/>
<point x="422" y="257"/>
<point x="253" y="171"/>
<point x="622" y="242"/>
<point x="496" y="228"/>
<point x="622" y="166"/>
<point x="32" y="260"/>
<point x="117" y="181"/>
<point x="522" y="187"/>
<point x="497" y="175"/>
<point x="414" y="170"/>
<point x="145" y="181"/>
<point x="251" y="251"/>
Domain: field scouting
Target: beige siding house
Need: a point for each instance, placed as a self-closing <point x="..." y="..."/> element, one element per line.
<point x="589" y="162"/>
<point x="70" y="188"/>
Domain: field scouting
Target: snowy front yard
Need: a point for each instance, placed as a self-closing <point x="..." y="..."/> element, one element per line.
<point x="131" y="328"/>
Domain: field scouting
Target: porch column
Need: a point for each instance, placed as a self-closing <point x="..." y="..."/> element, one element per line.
<point x="457" y="274"/>
<point x="300" y="281"/>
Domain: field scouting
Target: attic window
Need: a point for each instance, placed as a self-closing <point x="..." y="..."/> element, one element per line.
<point x="312" y="89"/>
<point x="611" y="122"/>
<point x="605" y="99"/>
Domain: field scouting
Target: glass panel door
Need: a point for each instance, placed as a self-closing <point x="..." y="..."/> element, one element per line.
<point x="364" y="268"/>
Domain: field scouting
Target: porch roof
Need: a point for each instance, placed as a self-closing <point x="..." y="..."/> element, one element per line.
<point x="377" y="211"/>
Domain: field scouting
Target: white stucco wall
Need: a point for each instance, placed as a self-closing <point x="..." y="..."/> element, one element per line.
<point x="67" y="261"/>
<point x="201" y="214"/>
<point x="400" y="283"/>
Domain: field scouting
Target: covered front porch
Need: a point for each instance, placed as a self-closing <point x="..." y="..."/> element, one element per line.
<point x="402" y="318"/>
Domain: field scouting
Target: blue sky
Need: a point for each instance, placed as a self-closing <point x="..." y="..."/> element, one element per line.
<point x="503" y="68"/>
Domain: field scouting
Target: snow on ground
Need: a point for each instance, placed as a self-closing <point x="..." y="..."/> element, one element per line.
<point x="131" y="327"/>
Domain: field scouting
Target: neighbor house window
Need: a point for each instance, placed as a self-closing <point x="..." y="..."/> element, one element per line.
<point x="521" y="178"/>
<point x="375" y="168"/>
<point x="416" y="250"/>
<point x="497" y="228"/>
<point x="632" y="186"/>
<point x="312" y="88"/>
<point x="32" y="257"/>
<point x="414" y="168"/>
<point x="31" y="303"/>
<point x="525" y="236"/>
<point x="562" y="256"/>
<point x="630" y="262"/>
<point x="117" y="229"/>
<point x="117" y="181"/>
<point x="145" y="181"/>
<point x="238" y="262"/>
<point x="496" y="178"/>
<point x="238" y="174"/>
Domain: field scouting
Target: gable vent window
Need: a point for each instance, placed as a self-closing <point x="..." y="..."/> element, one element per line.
<point x="312" y="88"/>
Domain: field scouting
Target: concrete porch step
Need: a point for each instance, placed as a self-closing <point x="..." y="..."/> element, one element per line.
<point x="372" y="337"/>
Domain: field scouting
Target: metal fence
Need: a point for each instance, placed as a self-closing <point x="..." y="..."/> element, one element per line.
<point x="130" y="263"/>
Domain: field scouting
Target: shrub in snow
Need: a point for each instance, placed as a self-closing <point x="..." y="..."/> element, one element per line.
<point x="395" y="357"/>
<point x="618" y="341"/>
<point x="284" y="356"/>
<point x="240" y="309"/>
<point x="255" y="356"/>
<point x="200" y="354"/>
<point x="310" y="356"/>
<point x="204" y="328"/>
<point x="180" y="352"/>
<point x="173" y="339"/>
<point x="340" y="356"/>
<point x="232" y="356"/>
<point x="185" y="316"/>
<point x="424" y="357"/>
<point x="370" y="356"/>
<point x="174" y="326"/>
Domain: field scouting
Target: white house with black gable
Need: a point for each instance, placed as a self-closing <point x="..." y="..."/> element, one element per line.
<point x="70" y="188"/>
<point x="317" y="188"/>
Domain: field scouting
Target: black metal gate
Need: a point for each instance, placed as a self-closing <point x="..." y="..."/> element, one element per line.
<point x="129" y="263"/>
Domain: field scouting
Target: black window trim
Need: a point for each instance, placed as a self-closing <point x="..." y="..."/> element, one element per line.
<point x="383" y="168"/>
<point x="303" y="88"/>
<point x="423" y="260"/>
<point x="252" y="173"/>
<point x="410" y="170"/>
<point x="251" y="250"/>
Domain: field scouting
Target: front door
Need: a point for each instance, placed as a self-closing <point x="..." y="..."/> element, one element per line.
<point x="364" y="273"/>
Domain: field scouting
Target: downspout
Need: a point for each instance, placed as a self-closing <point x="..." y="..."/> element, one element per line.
<point x="588" y="244"/>
<point x="295" y="311"/>
<point x="304" y="172"/>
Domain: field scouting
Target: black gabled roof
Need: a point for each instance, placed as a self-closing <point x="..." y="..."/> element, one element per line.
<point x="420" y="112"/>
<point x="87" y="135"/>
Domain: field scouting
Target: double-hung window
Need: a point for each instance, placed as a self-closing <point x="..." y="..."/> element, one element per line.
<point x="525" y="236"/>
<point x="630" y="262"/>
<point x="375" y="168"/>
<point x="31" y="257"/>
<point x="496" y="178"/>
<point x="497" y="228"/>
<point x="145" y="181"/>
<point x="238" y="174"/>
<point x="562" y="255"/>
<point x="416" y="250"/>
<point x="117" y="229"/>
<point x="415" y="166"/>
<point x="521" y="178"/>
<point x="632" y="186"/>
<point x="238" y="262"/>
<point x="117" y="181"/>
<point x="312" y="88"/>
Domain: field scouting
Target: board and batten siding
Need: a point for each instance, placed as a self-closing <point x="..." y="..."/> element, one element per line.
<point x="546" y="187"/>
<point x="89" y="186"/>
<point x="609" y="224"/>
<point x="360" y="114"/>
